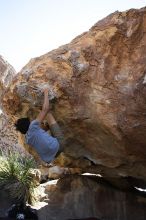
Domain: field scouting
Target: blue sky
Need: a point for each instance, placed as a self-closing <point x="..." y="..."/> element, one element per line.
<point x="30" y="28"/>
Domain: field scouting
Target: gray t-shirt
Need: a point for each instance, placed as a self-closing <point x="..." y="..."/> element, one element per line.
<point x="45" y="145"/>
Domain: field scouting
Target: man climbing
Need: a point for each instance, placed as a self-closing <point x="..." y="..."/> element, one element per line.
<point x="47" y="146"/>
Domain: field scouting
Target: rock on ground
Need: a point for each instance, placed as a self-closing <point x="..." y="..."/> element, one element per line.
<point x="81" y="197"/>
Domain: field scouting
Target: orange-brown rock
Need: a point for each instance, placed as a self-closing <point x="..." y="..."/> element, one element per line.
<point x="55" y="172"/>
<point x="98" y="92"/>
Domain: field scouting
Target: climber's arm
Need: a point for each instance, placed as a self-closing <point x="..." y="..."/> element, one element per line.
<point x="50" y="119"/>
<point x="45" y="108"/>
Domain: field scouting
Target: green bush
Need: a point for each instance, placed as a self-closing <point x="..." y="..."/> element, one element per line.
<point x="16" y="178"/>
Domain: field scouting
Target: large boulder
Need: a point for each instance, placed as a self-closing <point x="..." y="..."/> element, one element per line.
<point x="81" y="197"/>
<point x="98" y="93"/>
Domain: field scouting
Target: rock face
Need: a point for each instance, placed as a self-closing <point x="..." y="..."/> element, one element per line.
<point x="81" y="197"/>
<point x="7" y="72"/>
<point x="8" y="135"/>
<point x="97" y="89"/>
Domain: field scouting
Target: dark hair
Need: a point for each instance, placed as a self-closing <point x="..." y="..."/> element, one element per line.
<point x="22" y="125"/>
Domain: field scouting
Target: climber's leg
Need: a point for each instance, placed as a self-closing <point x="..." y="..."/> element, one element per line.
<point x="56" y="131"/>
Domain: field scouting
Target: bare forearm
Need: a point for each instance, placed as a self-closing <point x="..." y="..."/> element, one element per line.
<point x="50" y="118"/>
<point x="45" y="108"/>
<point x="46" y="102"/>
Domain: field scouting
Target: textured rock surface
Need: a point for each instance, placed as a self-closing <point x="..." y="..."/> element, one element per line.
<point x="75" y="197"/>
<point x="98" y="91"/>
<point x="8" y="135"/>
<point x="7" y="73"/>
<point x="57" y="172"/>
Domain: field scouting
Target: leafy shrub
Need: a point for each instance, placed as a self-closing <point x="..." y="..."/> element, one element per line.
<point x="15" y="177"/>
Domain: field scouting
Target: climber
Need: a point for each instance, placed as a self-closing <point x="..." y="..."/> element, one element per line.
<point x="47" y="146"/>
